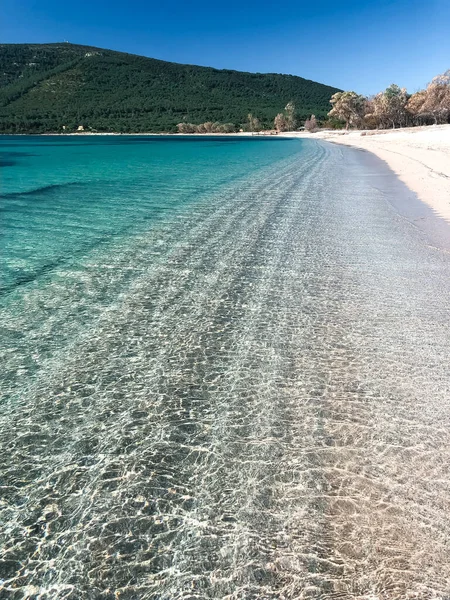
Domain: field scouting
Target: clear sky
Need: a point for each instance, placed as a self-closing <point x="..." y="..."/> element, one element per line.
<point x="352" y="44"/>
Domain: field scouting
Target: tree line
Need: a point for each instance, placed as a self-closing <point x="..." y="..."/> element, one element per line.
<point x="284" y="121"/>
<point x="394" y="107"/>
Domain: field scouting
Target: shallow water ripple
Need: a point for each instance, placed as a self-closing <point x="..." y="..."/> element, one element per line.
<point x="255" y="404"/>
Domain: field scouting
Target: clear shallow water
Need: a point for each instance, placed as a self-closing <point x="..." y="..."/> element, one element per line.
<point x="63" y="197"/>
<point x="225" y="375"/>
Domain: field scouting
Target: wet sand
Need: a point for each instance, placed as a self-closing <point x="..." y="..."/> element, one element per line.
<point x="420" y="157"/>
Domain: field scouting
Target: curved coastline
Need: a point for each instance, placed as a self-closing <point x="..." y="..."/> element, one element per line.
<point x="419" y="156"/>
<point x="251" y="399"/>
<point x="420" y="205"/>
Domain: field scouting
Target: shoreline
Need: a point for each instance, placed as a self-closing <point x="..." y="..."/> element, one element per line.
<point x="419" y="156"/>
<point x="288" y="323"/>
<point x="147" y="133"/>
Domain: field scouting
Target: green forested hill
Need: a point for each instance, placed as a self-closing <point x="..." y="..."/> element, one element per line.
<point x="45" y="87"/>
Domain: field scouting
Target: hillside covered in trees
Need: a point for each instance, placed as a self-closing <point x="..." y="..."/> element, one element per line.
<point x="58" y="87"/>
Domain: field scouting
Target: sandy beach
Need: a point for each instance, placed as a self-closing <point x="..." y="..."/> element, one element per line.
<point x="420" y="157"/>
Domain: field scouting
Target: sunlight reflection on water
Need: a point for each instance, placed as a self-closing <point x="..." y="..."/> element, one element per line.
<point x="251" y="401"/>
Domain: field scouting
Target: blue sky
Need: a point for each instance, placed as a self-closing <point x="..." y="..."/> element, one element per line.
<point x="362" y="45"/>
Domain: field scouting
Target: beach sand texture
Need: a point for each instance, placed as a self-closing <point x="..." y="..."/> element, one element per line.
<point x="420" y="157"/>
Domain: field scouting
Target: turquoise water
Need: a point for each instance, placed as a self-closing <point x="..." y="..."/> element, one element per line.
<point x="224" y="374"/>
<point x="82" y="217"/>
<point x="63" y="197"/>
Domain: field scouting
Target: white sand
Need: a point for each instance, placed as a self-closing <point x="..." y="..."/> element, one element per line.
<point x="420" y="156"/>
